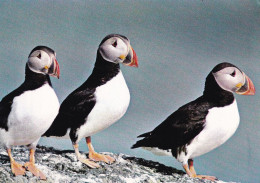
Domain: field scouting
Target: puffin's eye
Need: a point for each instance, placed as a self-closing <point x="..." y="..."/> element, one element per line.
<point x="233" y="74"/>
<point x="39" y="56"/>
<point x="114" y="44"/>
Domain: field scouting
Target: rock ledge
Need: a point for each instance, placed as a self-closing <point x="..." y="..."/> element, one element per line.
<point x="62" y="167"/>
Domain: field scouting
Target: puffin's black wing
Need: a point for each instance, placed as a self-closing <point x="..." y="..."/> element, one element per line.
<point x="179" y="128"/>
<point x="6" y="104"/>
<point x="73" y="110"/>
<point x="5" y="108"/>
<point x="78" y="103"/>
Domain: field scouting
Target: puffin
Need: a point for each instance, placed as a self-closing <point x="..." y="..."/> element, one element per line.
<point x="28" y="111"/>
<point x="203" y="124"/>
<point x="99" y="102"/>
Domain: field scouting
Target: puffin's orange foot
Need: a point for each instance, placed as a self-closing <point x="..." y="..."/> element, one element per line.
<point x="111" y="159"/>
<point x="212" y="178"/>
<point x="101" y="157"/>
<point x="34" y="170"/>
<point x="89" y="163"/>
<point x="17" y="169"/>
<point x="192" y="173"/>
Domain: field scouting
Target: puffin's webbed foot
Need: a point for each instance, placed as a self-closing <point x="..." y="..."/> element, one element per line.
<point x="96" y="156"/>
<point x="87" y="162"/>
<point x="190" y="170"/>
<point x="30" y="166"/>
<point x="16" y="168"/>
<point x="100" y="157"/>
<point x="212" y="178"/>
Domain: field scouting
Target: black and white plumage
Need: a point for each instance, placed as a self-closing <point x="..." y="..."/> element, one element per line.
<point x="203" y="124"/>
<point x="100" y="101"/>
<point x="28" y="111"/>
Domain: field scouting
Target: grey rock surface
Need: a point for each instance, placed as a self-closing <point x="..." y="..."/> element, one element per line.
<point x="61" y="166"/>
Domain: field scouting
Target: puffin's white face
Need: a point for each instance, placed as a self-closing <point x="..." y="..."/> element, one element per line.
<point x="40" y="61"/>
<point x="118" y="50"/>
<point x="233" y="80"/>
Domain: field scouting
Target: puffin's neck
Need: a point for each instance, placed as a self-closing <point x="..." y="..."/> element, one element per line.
<point x="214" y="93"/>
<point x="105" y="66"/>
<point x="34" y="79"/>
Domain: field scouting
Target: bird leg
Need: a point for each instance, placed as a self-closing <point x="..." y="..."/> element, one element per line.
<point x="30" y="166"/>
<point x="191" y="167"/>
<point x="16" y="168"/>
<point x="190" y="170"/>
<point x="187" y="170"/>
<point x="87" y="162"/>
<point x="96" y="156"/>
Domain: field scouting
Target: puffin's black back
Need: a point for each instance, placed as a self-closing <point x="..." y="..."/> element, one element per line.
<point x="32" y="81"/>
<point x="188" y="121"/>
<point x="77" y="106"/>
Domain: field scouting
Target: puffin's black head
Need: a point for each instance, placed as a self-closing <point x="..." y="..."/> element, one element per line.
<point x="230" y="78"/>
<point x="43" y="60"/>
<point x="115" y="48"/>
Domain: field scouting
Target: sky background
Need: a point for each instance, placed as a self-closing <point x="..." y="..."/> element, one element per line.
<point x="177" y="44"/>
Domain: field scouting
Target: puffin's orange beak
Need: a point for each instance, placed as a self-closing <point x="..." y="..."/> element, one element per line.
<point x="248" y="88"/>
<point x="131" y="59"/>
<point x="54" y="69"/>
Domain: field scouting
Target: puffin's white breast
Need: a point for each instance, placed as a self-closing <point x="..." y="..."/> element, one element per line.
<point x="112" y="101"/>
<point x="31" y="115"/>
<point x="221" y="124"/>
